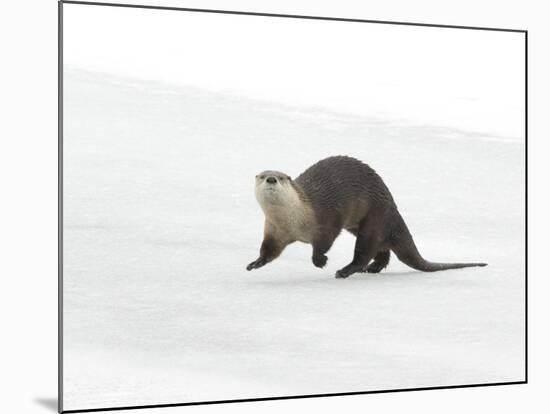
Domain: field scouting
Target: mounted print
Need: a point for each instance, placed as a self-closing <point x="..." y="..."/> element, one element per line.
<point x="258" y="206"/>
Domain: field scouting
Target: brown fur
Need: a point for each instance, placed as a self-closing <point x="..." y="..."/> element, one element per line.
<point x="334" y="194"/>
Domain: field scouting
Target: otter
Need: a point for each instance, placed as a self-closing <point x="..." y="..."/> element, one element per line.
<point x="337" y="193"/>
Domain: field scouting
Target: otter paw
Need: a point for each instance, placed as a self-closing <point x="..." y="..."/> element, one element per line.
<point x="341" y="274"/>
<point x="374" y="268"/>
<point x="320" y="260"/>
<point x="255" y="264"/>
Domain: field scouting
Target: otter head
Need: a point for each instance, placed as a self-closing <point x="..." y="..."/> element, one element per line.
<point x="274" y="188"/>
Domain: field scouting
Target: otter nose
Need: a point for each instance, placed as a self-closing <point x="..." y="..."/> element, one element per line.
<point x="271" y="180"/>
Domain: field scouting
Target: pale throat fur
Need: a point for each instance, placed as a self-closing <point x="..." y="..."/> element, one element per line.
<point x="287" y="215"/>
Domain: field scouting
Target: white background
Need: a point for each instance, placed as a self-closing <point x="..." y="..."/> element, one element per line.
<point x="29" y="239"/>
<point x="149" y="183"/>
<point x="464" y="79"/>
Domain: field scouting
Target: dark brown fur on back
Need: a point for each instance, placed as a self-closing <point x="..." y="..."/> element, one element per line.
<point x="340" y="187"/>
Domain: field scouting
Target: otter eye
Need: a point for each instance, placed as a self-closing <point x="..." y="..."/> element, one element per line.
<point x="262" y="177"/>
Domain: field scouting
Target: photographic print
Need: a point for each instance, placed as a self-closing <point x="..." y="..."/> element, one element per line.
<point x="260" y="206"/>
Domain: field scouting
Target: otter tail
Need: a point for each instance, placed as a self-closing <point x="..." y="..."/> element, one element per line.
<point x="404" y="247"/>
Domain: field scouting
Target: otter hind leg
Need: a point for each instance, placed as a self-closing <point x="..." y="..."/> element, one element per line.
<point x="381" y="261"/>
<point x="366" y="247"/>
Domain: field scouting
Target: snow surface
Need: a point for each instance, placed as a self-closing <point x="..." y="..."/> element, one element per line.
<point x="468" y="79"/>
<point x="160" y="221"/>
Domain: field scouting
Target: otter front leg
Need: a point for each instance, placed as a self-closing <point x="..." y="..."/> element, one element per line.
<point x="269" y="251"/>
<point x="318" y="258"/>
<point x="322" y="245"/>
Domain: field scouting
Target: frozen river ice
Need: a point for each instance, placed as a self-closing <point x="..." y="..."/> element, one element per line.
<point x="160" y="221"/>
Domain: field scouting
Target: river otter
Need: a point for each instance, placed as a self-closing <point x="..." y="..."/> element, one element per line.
<point x="334" y="194"/>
